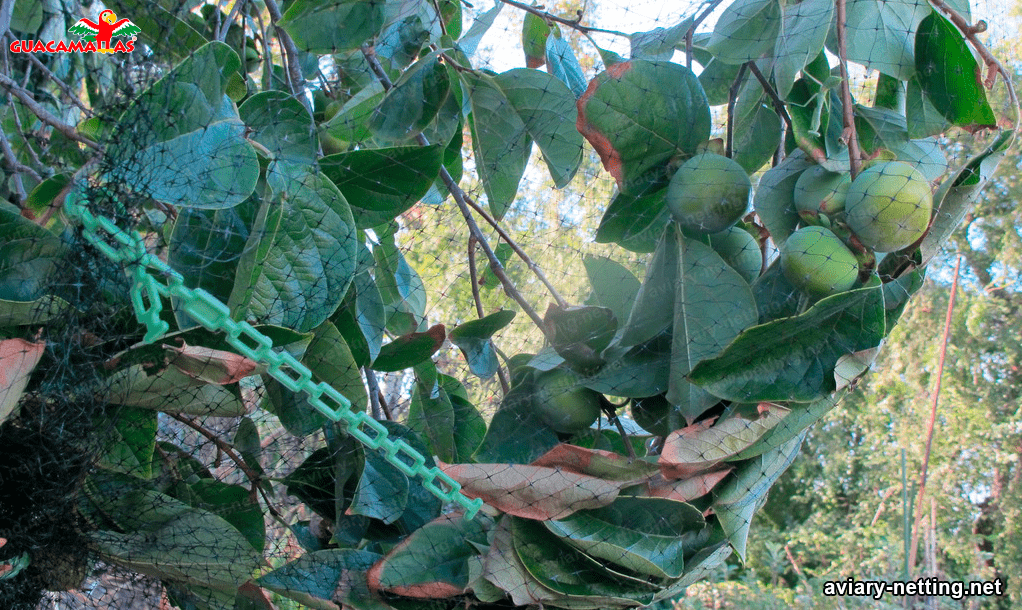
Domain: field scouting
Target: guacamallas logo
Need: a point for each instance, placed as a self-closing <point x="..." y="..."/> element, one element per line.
<point x="97" y="37"/>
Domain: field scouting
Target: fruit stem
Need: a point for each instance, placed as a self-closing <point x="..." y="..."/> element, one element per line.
<point x="849" y="134"/>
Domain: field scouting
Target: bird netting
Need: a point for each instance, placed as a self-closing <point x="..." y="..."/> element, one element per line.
<point x="333" y="304"/>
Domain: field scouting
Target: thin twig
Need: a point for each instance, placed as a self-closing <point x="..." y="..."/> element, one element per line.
<point x="26" y="98"/>
<point x="294" y="70"/>
<point x="933" y="415"/>
<point x="571" y="23"/>
<point x="226" y="25"/>
<point x="466" y="210"/>
<point x="17" y="168"/>
<point x="533" y="267"/>
<point x="376" y="396"/>
<point x="779" y="107"/>
<point x="221" y="445"/>
<point x="849" y="134"/>
<point x="504" y="385"/>
<point x="729" y="137"/>
<point x="71" y="95"/>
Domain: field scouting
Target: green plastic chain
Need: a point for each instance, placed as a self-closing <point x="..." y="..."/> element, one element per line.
<point x="129" y="249"/>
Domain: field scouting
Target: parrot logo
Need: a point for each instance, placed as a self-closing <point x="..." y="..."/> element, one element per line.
<point x="100" y="33"/>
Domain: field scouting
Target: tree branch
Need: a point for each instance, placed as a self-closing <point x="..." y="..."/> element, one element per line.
<point x="504" y="386"/>
<point x="571" y="23"/>
<point x="729" y="137"/>
<point x="461" y="199"/>
<point x="294" y="71"/>
<point x="771" y="93"/>
<point x="26" y="98"/>
<point x="849" y="134"/>
<point x="221" y="35"/>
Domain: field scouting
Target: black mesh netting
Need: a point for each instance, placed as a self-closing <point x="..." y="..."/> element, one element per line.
<point x="606" y="293"/>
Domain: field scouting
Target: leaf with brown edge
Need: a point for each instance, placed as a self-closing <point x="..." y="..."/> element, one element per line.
<point x="210" y="365"/>
<point x="695" y="486"/>
<point x="411" y="349"/>
<point x="432" y="562"/>
<point x="533" y="492"/>
<point x="701" y="446"/>
<point x="598" y="463"/>
<point x="17" y="359"/>
<point x="639" y="114"/>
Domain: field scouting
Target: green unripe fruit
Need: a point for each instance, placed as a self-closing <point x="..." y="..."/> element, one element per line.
<point x="888" y="206"/>
<point x="818" y="262"/>
<point x="656" y="415"/>
<point x="740" y="250"/>
<point x="709" y="193"/>
<point x="564" y="405"/>
<point x="821" y="190"/>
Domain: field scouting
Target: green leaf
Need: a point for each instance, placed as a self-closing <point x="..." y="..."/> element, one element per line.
<point x="235" y="505"/>
<point x="469" y="42"/>
<point x="757" y="136"/>
<point x="168" y="539"/>
<point x="28" y="256"/>
<point x="635" y="217"/>
<point x="559" y="567"/>
<point x="705" y="289"/>
<point x="334" y="574"/>
<point x="775" y="295"/>
<point x="130" y="442"/>
<point x="431" y="413"/>
<point x="535" y="30"/>
<point x="774" y="201"/>
<point x="382" y="183"/>
<point x="547" y="109"/>
<point x="350" y="122"/>
<point x="516" y="434"/>
<point x="880" y="34"/>
<point x="39" y="311"/>
<point x="43" y="195"/>
<point x="653" y="309"/>
<point x="798" y="419"/>
<point x="432" y="563"/>
<point x="923" y="119"/>
<point x="958" y="194"/>
<point x="580" y="333"/>
<point x="563" y="65"/>
<point x="332" y="26"/>
<point x="659" y="44"/>
<point x="204" y="249"/>
<point x="26" y="17"/>
<point x="736" y="500"/>
<point x="883" y="128"/>
<point x="746" y="30"/>
<point x="639" y="114"/>
<point x="643" y="370"/>
<point x="206" y="137"/>
<point x="950" y="76"/>
<point x="500" y="140"/>
<point x="300" y="258"/>
<point x="614" y="286"/>
<point x="401" y="288"/>
<point x="473" y="338"/>
<point x="330" y="360"/>
<point x="802" y="35"/>
<point x="171" y="391"/>
<point x="794" y="358"/>
<point x="163" y="32"/>
<point x="316" y="480"/>
<point x="411" y="349"/>
<point x="810" y="108"/>
<point x="648" y="536"/>
<point x="384" y="493"/>
<point x="414" y="100"/>
<point x="469" y="425"/>
<point x="282" y="125"/>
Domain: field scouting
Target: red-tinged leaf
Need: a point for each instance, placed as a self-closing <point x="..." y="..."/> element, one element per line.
<point x="688" y="489"/>
<point x="17" y="359"/>
<point x="703" y="445"/>
<point x="596" y="462"/>
<point x="638" y="114"/>
<point x="210" y="365"/>
<point x="432" y="562"/>
<point x="411" y="349"/>
<point x="535" y="30"/>
<point x="533" y="492"/>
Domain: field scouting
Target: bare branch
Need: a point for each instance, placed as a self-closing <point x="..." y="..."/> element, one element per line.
<point x="571" y="23"/>
<point x="778" y="103"/>
<point x="26" y="98"/>
<point x="294" y="71"/>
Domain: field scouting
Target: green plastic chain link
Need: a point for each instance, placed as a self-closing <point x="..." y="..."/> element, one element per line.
<point x="129" y="249"/>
